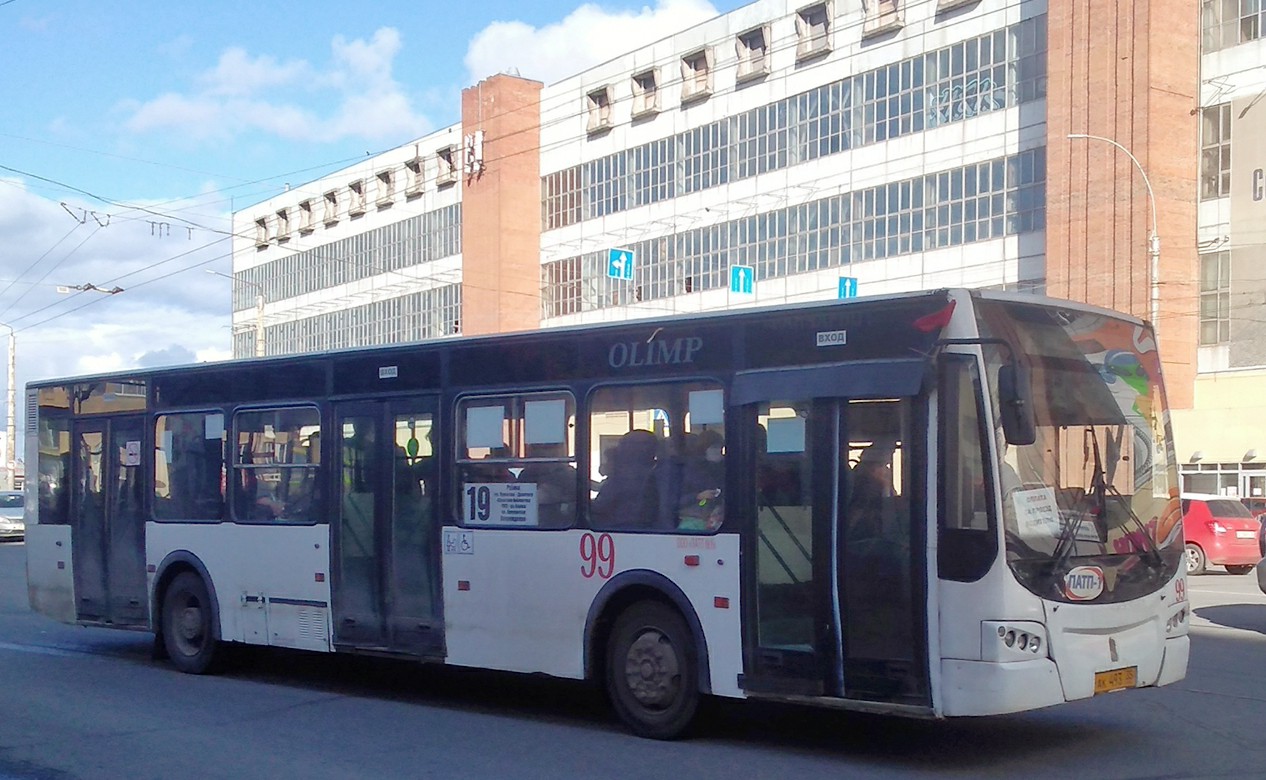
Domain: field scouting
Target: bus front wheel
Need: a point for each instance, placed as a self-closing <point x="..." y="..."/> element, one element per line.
<point x="652" y="675"/>
<point x="188" y="634"/>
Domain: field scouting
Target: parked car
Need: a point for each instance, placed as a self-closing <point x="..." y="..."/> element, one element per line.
<point x="12" y="520"/>
<point x="1219" y="530"/>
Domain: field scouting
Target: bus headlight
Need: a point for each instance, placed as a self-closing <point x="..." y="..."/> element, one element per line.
<point x="1012" y="640"/>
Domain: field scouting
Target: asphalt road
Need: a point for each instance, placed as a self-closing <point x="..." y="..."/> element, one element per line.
<point x="89" y="703"/>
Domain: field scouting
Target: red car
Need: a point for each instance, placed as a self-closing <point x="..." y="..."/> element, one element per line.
<point x="1219" y="530"/>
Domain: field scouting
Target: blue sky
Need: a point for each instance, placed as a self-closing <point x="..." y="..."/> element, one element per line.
<point x="130" y="131"/>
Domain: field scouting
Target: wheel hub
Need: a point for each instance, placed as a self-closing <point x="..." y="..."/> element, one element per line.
<point x="653" y="670"/>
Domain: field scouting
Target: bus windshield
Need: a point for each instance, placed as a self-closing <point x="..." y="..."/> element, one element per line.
<point x="1098" y="487"/>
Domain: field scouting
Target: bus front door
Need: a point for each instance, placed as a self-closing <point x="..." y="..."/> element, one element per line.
<point x="385" y="539"/>
<point x="837" y="597"/>
<point x="108" y="542"/>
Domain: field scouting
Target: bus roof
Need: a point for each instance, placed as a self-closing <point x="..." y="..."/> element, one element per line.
<point x="597" y="329"/>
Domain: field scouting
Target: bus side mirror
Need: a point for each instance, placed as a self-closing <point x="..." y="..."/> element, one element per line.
<point x="1015" y="394"/>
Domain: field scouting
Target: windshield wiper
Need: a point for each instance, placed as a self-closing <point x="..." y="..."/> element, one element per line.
<point x="1099" y="492"/>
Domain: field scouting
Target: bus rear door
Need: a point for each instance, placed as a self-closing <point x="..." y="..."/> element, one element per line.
<point x="386" y="546"/>
<point x="836" y="601"/>
<point x="108" y="524"/>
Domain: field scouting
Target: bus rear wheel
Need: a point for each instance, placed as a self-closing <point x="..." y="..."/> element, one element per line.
<point x="652" y="674"/>
<point x="188" y="633"/>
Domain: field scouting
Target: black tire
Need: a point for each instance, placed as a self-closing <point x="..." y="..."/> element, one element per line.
<point x="1196" y="563"/>
<point x="1241" y="569"/>
<point x="189" y="633"/>
<point x="652" y="671"/>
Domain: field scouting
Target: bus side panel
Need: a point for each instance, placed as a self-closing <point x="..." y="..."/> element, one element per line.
<point x="272" y="581"/>
<point x="50" y="577"/>
<point x="518" y="600"/>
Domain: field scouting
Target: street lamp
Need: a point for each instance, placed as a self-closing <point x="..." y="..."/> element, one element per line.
<point x="259" y="308"/>
<point x="1153" y="239"/>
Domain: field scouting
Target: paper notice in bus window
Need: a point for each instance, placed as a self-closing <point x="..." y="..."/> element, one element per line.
<point x="545" y="422"/>
<point x="707" y="407"/>
<point x="132" y="453"/>
<point x="213" y="425"/>
<point x="1036" y="513"/>
<point x="501" y="504"/>
<point x="785" y="434"/>
<point x="485" y="426"/>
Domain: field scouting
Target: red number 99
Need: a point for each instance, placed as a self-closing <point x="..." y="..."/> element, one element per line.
<point x="597" y="556"/>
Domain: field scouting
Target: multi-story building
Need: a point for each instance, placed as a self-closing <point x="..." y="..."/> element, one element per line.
<point x="1222" y="439"/>
<point x="813" y="146"/>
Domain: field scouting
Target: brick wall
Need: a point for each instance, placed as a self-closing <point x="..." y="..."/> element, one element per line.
<point x="501" y="208"/>
<point x="1126" y="71"/>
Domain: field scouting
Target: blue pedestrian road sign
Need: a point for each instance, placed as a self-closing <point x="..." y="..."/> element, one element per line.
<point x="620" y="263"/>
<point x="848" y="286"/>
<point x="742" y="279"/>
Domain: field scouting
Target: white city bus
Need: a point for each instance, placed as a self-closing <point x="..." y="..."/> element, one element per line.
<point x="935" y="504"/>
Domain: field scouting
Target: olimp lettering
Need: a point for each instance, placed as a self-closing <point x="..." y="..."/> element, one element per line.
<point x="629" y="354"/>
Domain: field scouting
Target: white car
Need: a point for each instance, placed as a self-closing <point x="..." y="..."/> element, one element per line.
<point x="12" y="524"/>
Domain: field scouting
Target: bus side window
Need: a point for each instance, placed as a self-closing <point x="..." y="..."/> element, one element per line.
<point x="657" y="457"/>
<point x="277" y="465"/>
<point x="516" y="461"/>
<point x="189" y="466"/>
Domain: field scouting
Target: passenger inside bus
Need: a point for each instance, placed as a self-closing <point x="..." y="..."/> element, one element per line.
<point x="555" y="482"/>
<point x="699" y="502"/>
<point x="628" y="497"/>
<point x="778" y="474"/>
<point x="872" y="487"/>
<point x="490" y="471"/>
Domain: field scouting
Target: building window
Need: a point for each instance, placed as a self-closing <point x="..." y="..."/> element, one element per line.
<point x="415" y="180"/>
<point x="1215" y="152"/>
<point x="386" y="188"/>
<point x="696" y="75"/>
<point x="283" y="225"/>
<point x="307" y="222"/>
<point x="356" y="194"/>
<point x="330" y="217"/>
<point x="645" y="93"/>
<point x="752" y="48"/>
<point x="261" y="232"/>
<point x="447" y="159"/>
<point x="1227" y="23"/>
<point x="1215" y="298"/>
<point x="813" y="29"/>
<point x="881" y="16"/>
<point x="598" y="110"/>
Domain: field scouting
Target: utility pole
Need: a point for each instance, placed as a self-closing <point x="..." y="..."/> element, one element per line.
<point x="11" y="408"/>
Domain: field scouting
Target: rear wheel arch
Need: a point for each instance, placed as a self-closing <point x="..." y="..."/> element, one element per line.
<point x="172" y="566"/>
<point x="622" y="592"/>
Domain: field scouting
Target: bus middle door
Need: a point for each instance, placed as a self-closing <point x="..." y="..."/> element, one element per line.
<point x="836" y="597"/>
<point x="385" y="538"/>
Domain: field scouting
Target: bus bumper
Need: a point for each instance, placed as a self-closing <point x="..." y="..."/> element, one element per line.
<point x="1174" y="663"/>
<point x="992" y="688"/>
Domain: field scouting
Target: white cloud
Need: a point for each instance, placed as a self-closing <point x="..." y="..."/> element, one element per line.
<point x="246" y="93"/>
<point x="237" y="73"/>
<point x="587" y="36"/>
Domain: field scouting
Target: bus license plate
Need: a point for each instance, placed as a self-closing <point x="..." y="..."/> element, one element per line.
<point x="1116" y="680"/>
